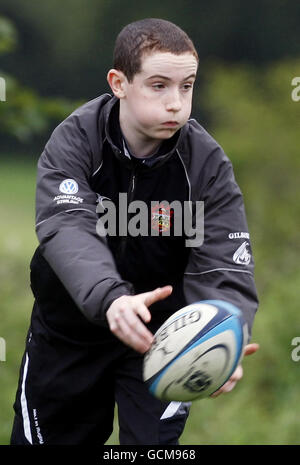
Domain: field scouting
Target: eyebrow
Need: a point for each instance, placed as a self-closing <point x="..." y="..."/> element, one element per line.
<point x="159" y="76"/>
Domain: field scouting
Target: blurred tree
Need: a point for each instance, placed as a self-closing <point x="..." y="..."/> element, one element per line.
<point x="8" y="36"/>
<point x="25" y="115"/>
<point x="256" y="121"/>
<point x="65" y="48"/>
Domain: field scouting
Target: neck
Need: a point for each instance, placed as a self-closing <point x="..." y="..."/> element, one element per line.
<point x="139" y="145"/>
<point x="141" y="148"/>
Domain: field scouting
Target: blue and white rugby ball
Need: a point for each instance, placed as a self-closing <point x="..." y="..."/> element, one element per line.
<point x="195" y="351"/>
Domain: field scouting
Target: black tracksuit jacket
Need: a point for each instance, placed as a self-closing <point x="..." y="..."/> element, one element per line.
<point x="76" y="274"/>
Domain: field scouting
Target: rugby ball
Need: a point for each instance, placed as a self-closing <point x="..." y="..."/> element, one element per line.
<point x="195" y="351"/>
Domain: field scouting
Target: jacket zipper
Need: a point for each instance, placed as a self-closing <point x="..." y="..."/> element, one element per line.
<point x="130" y="195"/>
<point x="132" y="183"/>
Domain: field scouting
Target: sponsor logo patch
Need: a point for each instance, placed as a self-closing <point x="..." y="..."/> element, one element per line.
<point x="68" y="199"/>
<point x="68" y="186"/>
<point x="238" y="235"/>
<point x="242" y="255"/>
<point x="161" y="218"/>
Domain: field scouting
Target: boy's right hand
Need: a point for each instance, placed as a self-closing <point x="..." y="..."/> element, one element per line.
<point x="125" y="314"/>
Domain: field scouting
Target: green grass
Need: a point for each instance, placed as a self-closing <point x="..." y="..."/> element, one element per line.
<point x="17" y="242"/>
<point x="263" y="408"/>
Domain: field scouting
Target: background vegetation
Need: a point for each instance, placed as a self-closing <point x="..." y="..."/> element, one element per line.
<point x="54" y="60"/>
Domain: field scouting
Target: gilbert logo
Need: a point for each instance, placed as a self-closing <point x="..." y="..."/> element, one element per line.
<point x="239" y="235"/>
<point x="242" y="255"/>
<point x="175" y="325"/>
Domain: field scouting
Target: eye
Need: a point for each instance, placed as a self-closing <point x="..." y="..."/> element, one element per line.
<point x="158" y="86"/>
<point x="187" y="86"/>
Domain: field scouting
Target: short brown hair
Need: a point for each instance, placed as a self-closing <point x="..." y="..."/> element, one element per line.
<point x="146" y="36"/>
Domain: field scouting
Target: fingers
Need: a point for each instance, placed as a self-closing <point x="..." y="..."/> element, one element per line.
<point x="134" y="334"/>
<point x="128" y="327"/>
<point x="127" y="313"/>
<point x="251" y="348"/>
<point x="158" y="294"/>
<point x="230" y="384"/>
<point x="144" y="313"/>
<point x="238" y="373"/>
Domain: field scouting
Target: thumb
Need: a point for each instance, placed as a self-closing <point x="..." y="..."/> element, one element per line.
<point x="251" y="349"/>
<point x="158" y="294"/>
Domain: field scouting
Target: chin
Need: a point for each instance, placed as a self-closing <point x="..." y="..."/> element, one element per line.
<point x="166" y="133"/>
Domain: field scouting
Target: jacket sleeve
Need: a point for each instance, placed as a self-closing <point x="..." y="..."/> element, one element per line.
<point x="222" y="266"/>
<point x="66" y="221"/>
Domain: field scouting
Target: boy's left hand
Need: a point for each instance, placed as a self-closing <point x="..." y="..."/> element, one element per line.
<point x="237" y="374"/>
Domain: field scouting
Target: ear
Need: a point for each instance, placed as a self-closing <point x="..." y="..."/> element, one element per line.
<point x="117" y="81"/>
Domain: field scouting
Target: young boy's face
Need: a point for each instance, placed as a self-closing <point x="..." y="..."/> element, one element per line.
<point x="158" y="101"/>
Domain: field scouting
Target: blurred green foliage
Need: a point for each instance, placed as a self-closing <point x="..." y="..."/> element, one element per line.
<point x="8" y="35"/>
<point x="64" y="50"/>
<point x="256" y="120"/>
<point x="25" y="114"/>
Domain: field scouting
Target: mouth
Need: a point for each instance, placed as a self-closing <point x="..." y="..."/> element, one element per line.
<point x="171" y="124"/>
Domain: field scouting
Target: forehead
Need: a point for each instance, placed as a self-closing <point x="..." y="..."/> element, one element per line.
<point x="166" y="63"/>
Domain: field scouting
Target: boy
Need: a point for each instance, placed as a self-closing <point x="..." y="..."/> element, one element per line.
<point x="91" y="322"/>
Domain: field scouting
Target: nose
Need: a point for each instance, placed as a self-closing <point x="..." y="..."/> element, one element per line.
<point x="174" y="101"/>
